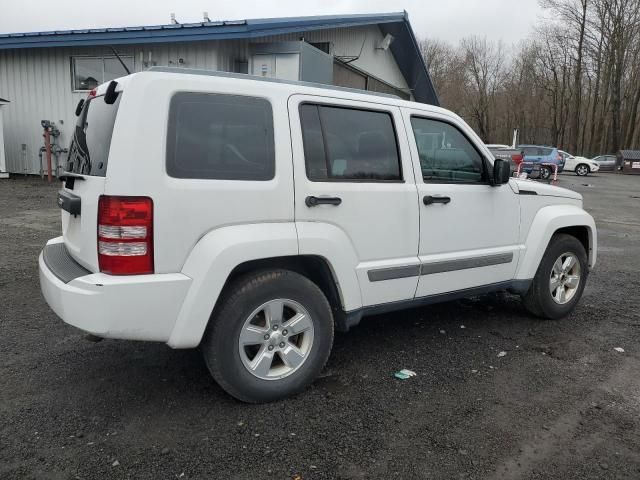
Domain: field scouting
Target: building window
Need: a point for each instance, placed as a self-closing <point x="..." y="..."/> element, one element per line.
<point x="89" y="72"/>
<point x="324" y="46"/>
<point x="346" y="75"/>
<point x="240" y="66"/>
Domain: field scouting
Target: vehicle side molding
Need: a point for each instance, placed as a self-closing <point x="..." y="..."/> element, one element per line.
<point x="391" y="273"/>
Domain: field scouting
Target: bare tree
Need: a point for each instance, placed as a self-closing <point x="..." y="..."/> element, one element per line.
<point x="574" y="83"/>
<point x="483" y="62"/>
<point x="572" y="15"/>
<point x="446" y="70"/>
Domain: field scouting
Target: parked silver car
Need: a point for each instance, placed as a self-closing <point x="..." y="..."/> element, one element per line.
<point x="607" y="162"/>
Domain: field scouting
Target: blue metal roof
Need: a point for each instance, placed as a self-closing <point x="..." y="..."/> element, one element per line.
<point x="404" y="48"/>
<point x="190" y="31"/>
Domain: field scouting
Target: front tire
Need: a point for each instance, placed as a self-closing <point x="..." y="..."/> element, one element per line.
<point x="269" y="337"/>
<point x="582" y="170"/>
<point x="560" y="279"/>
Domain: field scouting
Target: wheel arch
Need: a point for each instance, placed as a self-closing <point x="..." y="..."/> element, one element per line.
<point x="315" y="267"/>
<point x="223" y="254"/>
<point x="550" y="220"/>
<point x="582" y="233"/>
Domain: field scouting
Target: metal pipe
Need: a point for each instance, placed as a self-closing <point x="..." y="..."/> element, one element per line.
<point x="57" y="151"/>
<point x="47" y="146"/>
<point x="40" y="152"/>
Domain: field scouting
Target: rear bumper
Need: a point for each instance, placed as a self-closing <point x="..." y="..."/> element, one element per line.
<point x="136" y="307"/>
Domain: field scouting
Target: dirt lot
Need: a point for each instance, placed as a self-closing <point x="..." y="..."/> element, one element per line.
<point x="561" y="404"/>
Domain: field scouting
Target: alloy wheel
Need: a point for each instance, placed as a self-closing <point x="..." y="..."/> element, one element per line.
<point x="276" y="339"/>
<point x="565" y="278"/>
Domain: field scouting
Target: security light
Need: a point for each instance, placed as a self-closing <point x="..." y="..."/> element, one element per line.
<point x="385" y="42"/>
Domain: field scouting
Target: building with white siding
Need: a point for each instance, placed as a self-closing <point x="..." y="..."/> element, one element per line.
<point x="45" y="74"/>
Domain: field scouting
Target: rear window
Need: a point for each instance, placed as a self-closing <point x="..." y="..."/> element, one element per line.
<point x="222" y="137"/>
<point x="89" y="150"/>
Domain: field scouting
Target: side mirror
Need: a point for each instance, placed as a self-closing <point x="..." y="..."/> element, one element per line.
<point x="501" y="172"/>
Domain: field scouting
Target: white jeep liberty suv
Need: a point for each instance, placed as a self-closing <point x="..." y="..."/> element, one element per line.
<point x="251" y="217"/>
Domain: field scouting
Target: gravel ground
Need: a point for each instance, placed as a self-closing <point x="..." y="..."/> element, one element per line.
<point x="560" y="404"/>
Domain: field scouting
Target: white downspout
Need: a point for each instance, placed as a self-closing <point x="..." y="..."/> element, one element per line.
<point x="3" y="163"/>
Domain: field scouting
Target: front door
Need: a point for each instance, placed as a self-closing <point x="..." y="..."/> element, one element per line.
<point x="468" y="228"/>
<point x="355" y="193"/>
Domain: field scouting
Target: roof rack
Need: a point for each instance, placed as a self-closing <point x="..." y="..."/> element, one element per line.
<point x="245" y="76"/>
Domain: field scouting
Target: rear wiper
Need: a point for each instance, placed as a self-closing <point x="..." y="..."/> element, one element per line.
<point x="69" y="179"/>
<point x="68" y="175"/>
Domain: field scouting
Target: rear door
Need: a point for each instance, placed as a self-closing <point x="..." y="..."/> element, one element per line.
<point x="353" y="175"/>
<point x="87" y="162"/>
<point x="532" y="154"/>
<point x="546" y="155"/>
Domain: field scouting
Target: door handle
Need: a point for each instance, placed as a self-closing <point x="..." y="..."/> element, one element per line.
<point x="312" y="201"/>
<point x="431" y="199"/>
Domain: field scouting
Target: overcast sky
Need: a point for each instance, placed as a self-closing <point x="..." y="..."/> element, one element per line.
<point x="447" y="20"/>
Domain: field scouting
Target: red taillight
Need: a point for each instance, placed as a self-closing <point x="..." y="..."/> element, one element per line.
<point x="125" y="235"/>
<point x="516" y="158"/>
<point x="93" y="93"/>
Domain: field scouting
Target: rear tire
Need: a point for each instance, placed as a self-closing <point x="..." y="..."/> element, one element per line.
<point x="582" y="170"/>
<point x="545" y="173"/>
<point x="251" y="346"/>
<point x="545" y="301"/>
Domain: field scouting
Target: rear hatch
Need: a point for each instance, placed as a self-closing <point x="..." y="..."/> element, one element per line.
<point x="84" y="178"/>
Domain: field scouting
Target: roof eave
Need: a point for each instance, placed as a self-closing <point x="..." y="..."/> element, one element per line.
<point x="190" y="32"/>
<point x="405" y="50"/>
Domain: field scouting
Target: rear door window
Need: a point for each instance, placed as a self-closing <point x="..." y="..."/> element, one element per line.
<point x="221" y="137"/>
<point x="545" y="152"/>
<point x="347" y="144"/>
<point x="89" y="150"/>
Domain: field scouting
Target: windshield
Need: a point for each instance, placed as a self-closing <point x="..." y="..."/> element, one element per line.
<point x="89" y="148"/>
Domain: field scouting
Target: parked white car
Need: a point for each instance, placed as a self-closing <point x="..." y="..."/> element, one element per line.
<point x="251" y="217"/>
<point x="581" y="165"/>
